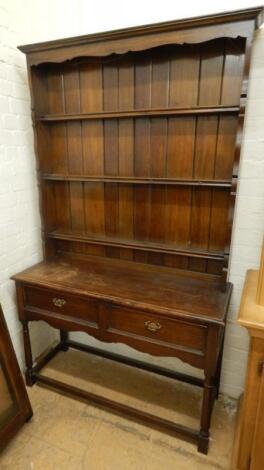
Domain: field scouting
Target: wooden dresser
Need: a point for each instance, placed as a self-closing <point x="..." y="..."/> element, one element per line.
<point x="137" y="136"/>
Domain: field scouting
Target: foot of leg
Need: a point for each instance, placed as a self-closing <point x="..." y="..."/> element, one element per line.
<point x="64" y="336"/>
<point x="203" y="443"/>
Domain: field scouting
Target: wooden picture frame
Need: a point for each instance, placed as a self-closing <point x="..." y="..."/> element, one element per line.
<point x="15" y="407"/>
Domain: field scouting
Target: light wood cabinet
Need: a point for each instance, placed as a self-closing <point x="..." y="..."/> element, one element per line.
<point x="249" y="448"/>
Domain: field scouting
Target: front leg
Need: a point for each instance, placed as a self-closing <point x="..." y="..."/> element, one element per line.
<point x="206" y="413"/>
<point x="28" y="355"/>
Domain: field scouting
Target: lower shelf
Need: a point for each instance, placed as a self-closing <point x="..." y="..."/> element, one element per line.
<point x="138" y="245"/>
<point x="135" y="414"/>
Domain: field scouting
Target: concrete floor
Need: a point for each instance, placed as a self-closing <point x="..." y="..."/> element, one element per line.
<point x="65" y="434"/>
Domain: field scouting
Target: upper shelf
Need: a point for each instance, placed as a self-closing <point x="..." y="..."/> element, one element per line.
<point x="139" y="113"/>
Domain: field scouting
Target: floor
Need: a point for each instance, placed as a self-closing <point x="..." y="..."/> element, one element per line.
<point x="67" y="434"/>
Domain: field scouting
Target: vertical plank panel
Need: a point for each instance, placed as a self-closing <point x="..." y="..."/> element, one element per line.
<point x="198" y="264"/>
<point x="158" y="147"/>
<point x="143" y="78"/>
<point x="91" y="87"/>
<point x="142" y="147"/>
<point x="93" y="149"/>
<point x="212" y="60"/>
<point x="94" y="208"/>
<point x="112" y="216"/>
<point x="233" y="72"/>
<point x="206" y="135"/>
<point x="219" y="220"/>
<point x="75" y="151"/>
<point x="126" y="126"/>
<point x="126" y="147"/>
<point x="226" y="147"/>
<point x="57" y="131"/>
<point x="111" y="147"/>
<point x="200" y="223"/>
<point x="183" y="91"/>
<point x="158" y="150"/>
<point x="174" y="261"/>
<point x="63" y="218"/>
<point x="159" y="99"/>
<point x="178" y="216"/>
<point x="55" y="89"/>
<point x="184" y="76"/>
<point x="141" y="212"/>
<point x="160" y="79"/>
<point x="211" y="73"/>
<point x="126" y="153"/>
<point x="43" y="147"/>
<point x="77" y="206"/>
<point x="126" y="83"/>
<point x="143" y="72"/>
<point x="58" y="148"/>
<point x="126" y="215"/>
<point x="181" y="138"/>
<point x="111" y="210"/>
<point x="48" y="206"/>
<point x="91" y="83"/>
<point x="110" y="82"/>
<point x="72" y="99"/>
<point x="141" y="200"/>
<point x="40" y="89"/>
<point x="157" y="213"/>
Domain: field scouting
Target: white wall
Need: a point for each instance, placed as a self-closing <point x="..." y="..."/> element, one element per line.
<point x="19" y="216"/>
<point x="35" y="20"/>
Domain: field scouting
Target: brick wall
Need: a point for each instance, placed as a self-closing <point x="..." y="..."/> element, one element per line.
<point x="20" y="244"/>
<point x="249" y="220"/>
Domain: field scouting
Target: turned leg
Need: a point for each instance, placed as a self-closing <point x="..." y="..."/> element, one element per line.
<point x="64" y="337"/>
<point x="207" y="407"/>
<point x="28" y="355"/>
<point x="218" y="371"/>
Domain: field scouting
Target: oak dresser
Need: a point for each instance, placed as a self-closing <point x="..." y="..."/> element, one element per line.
<point x="137" y="135"/>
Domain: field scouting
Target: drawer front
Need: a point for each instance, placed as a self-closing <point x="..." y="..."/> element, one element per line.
<point x="171" y="332"/>
<point x="61" y="303"/>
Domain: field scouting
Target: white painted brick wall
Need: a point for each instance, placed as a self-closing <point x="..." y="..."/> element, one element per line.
<point x="19" y="217"/>
<point x="248" y="222"/>
<point x="20" y="244"/>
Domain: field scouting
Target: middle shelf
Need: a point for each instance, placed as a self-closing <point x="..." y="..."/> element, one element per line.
<point x="139" y="180"/>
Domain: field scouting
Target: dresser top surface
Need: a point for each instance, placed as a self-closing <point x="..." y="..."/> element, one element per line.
<point x="163" y="290"/>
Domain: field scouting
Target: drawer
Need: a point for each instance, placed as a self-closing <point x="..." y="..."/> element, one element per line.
<point x="163" y="330"/>
<point x="66" y="304"/>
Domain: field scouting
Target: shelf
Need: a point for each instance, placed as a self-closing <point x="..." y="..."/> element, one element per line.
<point x="140" y="180"/>
<point x="137" y="245"/>
<point x="139" y="113"/>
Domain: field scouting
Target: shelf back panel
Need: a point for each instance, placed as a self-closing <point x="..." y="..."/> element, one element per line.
<point x="129" y="220"/>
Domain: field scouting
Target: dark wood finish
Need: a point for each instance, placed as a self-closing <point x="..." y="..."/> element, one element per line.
<point x="140" y="113"/>
<point x="15" y="407"/>
<point x="104" y="298"/>
<point x="137" y="135"/>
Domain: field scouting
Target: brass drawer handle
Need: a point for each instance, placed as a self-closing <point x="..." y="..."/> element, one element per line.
<point x="152" y="326"/>
<point x="58" y="302"/>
